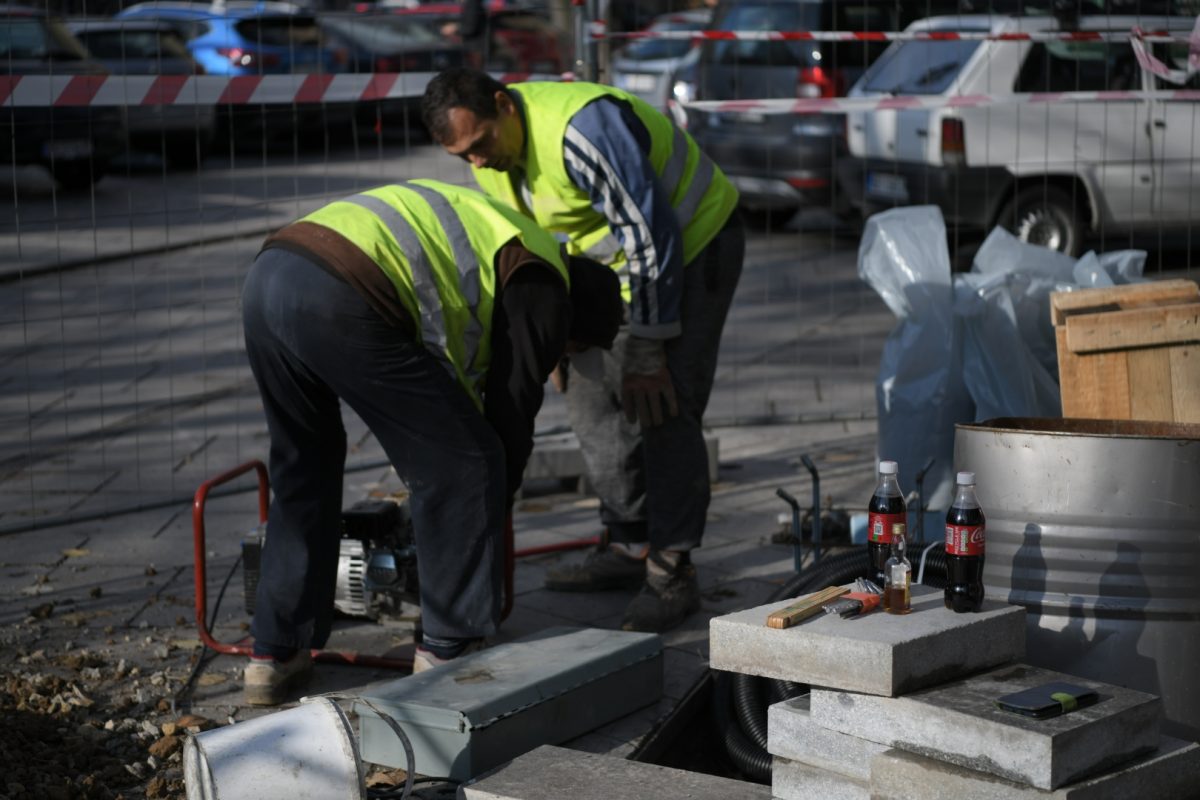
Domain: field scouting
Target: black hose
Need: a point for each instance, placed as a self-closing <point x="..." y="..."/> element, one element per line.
<point x="747" y="701"/>
<point x="752" y="761"/>
<point x="745" y="733"/>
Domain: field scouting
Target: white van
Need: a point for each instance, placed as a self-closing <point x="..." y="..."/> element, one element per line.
<point x="1051" y="171"/>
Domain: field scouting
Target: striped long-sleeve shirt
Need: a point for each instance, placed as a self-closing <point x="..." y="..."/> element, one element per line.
<point x="607" y="154"/>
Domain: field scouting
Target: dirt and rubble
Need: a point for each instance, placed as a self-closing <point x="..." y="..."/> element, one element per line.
<point x="102" y="713"/>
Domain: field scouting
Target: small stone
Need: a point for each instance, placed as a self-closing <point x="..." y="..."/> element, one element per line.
<point x="169" y="728"/>
<point x="165" y="746"/>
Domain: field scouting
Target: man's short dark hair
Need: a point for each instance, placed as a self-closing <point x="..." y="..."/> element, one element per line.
<point x="458" y="87"/>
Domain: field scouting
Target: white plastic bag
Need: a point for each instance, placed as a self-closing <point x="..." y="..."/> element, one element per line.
<point x="919" y="391"/>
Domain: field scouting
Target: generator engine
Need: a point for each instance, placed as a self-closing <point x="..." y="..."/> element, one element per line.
<point x="377" y="561"/>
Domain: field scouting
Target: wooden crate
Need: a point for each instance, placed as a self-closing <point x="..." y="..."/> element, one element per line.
<point x="1129" y="352"/>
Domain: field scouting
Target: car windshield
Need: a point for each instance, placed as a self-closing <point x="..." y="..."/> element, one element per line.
<point x="384" y="32"/>
<point x="918" y="67"/>
<point x="35" y="39"/>
<point x="654" y="49"/>
<point x="120" y="44"/>
<point x="759" y="16"/>
<point x="282" y="31"/>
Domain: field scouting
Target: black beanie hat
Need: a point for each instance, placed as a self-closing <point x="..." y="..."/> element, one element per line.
<point x="597" y="309"/>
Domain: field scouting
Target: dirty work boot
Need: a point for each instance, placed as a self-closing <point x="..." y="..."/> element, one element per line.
<point x="605" y="567"/>
<point x="428" y="659"/>
<point x="268" y="681"/>
<point x="668" y="596"/>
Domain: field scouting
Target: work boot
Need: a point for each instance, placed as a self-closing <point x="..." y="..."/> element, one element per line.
<point x="605" y="567"/>
<point x="427" y="659"/>
<point x="268" y="681"/>
<point x="668" y="596"/>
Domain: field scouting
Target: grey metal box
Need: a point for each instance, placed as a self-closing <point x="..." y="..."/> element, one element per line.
<point x="487" y="708"/>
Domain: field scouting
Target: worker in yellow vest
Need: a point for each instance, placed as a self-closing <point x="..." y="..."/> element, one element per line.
<point x="436" y="314"/>
<point x="620" y="183"/>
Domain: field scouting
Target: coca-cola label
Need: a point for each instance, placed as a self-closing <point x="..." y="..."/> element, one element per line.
<point x="965" y="540"/>
<point x="879" y="526"/>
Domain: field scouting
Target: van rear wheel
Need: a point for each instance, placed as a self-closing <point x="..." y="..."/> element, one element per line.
<point x="1046" y="216"/>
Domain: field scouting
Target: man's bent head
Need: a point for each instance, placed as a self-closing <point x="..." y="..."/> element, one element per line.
<point x="475" y="117"/>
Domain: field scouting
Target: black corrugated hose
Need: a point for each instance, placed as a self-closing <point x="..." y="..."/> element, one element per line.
<point x="745" y="730"/>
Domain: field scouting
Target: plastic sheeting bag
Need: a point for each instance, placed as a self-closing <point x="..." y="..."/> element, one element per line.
<point x="968" y="347"/>
<point x="919" y="391"/>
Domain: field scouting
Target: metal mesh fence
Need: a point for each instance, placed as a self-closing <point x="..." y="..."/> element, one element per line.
<point x="148" y="157"/>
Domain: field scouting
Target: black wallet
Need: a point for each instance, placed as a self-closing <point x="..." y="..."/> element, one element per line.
<point x="1048" y="700"/>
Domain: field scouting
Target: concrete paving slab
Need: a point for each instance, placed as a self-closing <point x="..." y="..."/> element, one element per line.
<point x="796" y="780"/>
<point x="877" y="653"/>
<point x="959" y="722"/>
<point x="552" y="773"/>
<point x="792" y="735"/>
<point x="1172" y="772"/>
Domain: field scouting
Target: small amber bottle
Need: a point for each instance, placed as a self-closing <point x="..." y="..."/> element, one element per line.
<point x="897" y="574"/>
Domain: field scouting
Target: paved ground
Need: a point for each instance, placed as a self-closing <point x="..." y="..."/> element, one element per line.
<point x="126" y="388"/>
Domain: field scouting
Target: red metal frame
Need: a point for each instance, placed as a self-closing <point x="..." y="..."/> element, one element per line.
<point x="327" y="656"/>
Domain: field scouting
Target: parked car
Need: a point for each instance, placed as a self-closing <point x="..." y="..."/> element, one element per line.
<point x="74" y="142"/>
<point x="181" y="133"/>
<point x="516" y="39"/>
<point x="1051" y="172"/>
<point x="245" y="38"/>
<point x="648" y="67"/>
<point x="785" y="161"/>
<point x="235" y="37"/>
<point x="385" y="42"/>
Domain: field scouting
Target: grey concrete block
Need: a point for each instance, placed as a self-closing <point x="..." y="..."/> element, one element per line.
<point x="875" y="654"/>
<point x="960" y="723"/>
<point x="553" y="773"/>
<point x="791" y="734"/>
<point x="559" y="456"/>
<point x="795" y="780"/>
<point x="1172" y="772"/>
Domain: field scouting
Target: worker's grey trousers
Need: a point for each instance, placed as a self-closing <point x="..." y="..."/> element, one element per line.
<point x="312" y="339"/>
<point x="653" y="482"/>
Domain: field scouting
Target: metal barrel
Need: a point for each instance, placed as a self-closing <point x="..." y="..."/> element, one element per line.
<point x="1094" y="527"/>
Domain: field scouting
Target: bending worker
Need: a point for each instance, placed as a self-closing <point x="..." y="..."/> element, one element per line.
<point x="623" y="185"/>
<point x="436" y="314"/>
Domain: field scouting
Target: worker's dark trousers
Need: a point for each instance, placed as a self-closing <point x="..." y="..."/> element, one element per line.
<point x="653" y="482"/>
<point x="312" y="339"/>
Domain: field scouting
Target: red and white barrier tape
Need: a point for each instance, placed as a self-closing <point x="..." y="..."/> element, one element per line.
<point x="25" y="91"/>
<point x="1156" y="67"/>
<point x="840" y="105"/>
<point x="896" y="36"/>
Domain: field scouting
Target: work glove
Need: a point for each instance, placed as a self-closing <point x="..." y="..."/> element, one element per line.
<point x="646" y="383"/>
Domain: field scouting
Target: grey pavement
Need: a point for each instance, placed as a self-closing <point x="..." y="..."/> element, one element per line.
<point x="124" y="387"/>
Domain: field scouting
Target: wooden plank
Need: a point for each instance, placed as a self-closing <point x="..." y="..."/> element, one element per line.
<point x="1134" y="295"/>
<point x="1097" y="387"/>
<point x="1144" y="327"/>
<point x="1150" y="393"/>
<point x="805" y="607"/>
<point x="1071" y="378"/>
<point x="1185" y="383"/>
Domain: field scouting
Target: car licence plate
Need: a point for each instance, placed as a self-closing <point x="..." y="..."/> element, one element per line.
<point x="637" y="82"/>
<point x="889" y="187"/>
<point x="67" y="148"/>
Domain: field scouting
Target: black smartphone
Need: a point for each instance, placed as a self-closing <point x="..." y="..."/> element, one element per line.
<point x="1048" y="700"/>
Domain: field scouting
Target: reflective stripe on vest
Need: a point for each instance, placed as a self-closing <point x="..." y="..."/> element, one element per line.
<point x="432" y="324"/>
<point x="468" y="272"/>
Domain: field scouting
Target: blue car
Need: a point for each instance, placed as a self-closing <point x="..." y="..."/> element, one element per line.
<point x="258" y="38"/>
<point x="241" y="38"/>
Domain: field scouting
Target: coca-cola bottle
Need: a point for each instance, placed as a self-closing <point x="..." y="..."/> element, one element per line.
<point x="885" y="510"/>
<point x="965" y="539"/>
